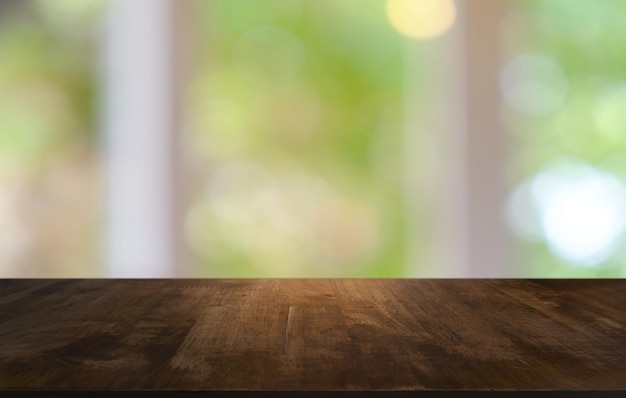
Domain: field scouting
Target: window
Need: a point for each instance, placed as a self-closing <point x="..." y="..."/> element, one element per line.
<point x="293" y="138"/>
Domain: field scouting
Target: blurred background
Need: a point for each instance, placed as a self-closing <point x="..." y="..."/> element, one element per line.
<point x="300" y="138"/>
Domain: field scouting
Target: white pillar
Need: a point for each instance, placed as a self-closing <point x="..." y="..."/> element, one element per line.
<point x="141" y="112"/>
<point x="473" y="240"/>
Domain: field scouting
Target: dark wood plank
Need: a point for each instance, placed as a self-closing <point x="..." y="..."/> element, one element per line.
<point x="417" y="336"/>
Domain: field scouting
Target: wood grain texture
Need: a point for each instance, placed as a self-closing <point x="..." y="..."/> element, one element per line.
<point x="313" y="335"/>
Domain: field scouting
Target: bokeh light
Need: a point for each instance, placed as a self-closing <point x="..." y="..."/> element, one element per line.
<point x="226" y="141"/>
<point x="579" y="211"/>
<point x="610" y="114"/>
<point x="534" y="84"/>
<point x="421" y="19"/>
<point x="289" y="223"/>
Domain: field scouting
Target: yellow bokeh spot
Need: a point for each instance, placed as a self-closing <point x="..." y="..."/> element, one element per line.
<point x="421" y="19"/>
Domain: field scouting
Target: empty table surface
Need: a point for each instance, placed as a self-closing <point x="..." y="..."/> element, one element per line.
<point x="406" y="337"/>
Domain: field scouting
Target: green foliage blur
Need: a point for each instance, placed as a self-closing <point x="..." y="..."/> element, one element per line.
<point x="588" y="128"/>
<point x="297" y="110"/>
<point x="48" y="146"/>
<point x="296" y="118"/>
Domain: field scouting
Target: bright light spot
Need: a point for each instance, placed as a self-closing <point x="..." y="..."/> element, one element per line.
<point x="610" y="113"/>
<point x="269" y="55"/>
<point x="421" y="19"/>
<point x="534" y="84"/>
<point x="582" y="212"/>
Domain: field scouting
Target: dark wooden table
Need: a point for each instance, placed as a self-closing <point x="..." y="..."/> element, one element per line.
<point x="343" y="337"/>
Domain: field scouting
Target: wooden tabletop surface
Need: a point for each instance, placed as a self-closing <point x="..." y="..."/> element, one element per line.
<point x="416" y="336"/>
